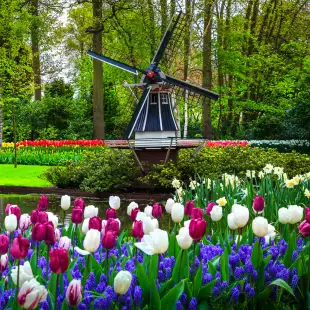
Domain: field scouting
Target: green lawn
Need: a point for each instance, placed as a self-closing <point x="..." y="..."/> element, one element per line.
<point x="23" y="175"/>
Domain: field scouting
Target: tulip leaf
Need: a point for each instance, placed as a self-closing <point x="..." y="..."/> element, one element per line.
<point x="181" y="267"/>
<point x="64" y="306"/>
<point x="153" y="271"/>
<point x="212" y="265"/>
<point x="257" y="255"/>
<point x="214" y="238"/>
<point x="155" y="299"/>
<point x="224" y="266"/>
<point x="188" y="289"/>
<point x="94" y="264"/>
<point x="144" y="281"/>
<point x="33" y="261"/>
<point x="264" y="295"/>
<point x="203" y="305"/>
<point x="169" y="300"/>
<point x="52" y="287"/>
<point x="287" y="260"/>
<point x="206" y="290"/>
<point x="197" y="281"/>
<point x="172" y="245"/>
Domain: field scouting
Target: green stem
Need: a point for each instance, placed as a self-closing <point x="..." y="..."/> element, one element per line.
<point x="55" y="296"/>
<point x="63" y="226"/>
<point x="17" y="284"/>
<point x="47" y="261"/>
<point x="107" y="264"/>
<point x="38" y="247"/>
<point x="180" y="265"/>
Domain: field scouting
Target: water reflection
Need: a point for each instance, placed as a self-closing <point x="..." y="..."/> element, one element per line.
<point x="27" y="203"/>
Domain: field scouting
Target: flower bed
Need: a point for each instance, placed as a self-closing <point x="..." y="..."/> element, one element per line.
<point x="228" y="244"/>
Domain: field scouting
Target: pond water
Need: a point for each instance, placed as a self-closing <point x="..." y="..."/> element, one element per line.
<point x="27" y="203"/>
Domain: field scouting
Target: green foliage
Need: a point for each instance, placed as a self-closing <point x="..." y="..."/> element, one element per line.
<point x="232" y="160"/>
<point x="107" y="170"/>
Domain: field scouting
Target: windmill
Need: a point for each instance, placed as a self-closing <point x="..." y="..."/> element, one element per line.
<point x="153" y="123"/>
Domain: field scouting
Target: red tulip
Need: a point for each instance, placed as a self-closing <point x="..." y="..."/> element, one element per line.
<point x="109" y="240"/>
<point x="308" y="215"/>
<point x="77" y="215"/>
<point x="112" y="225"/>
<point x="59" y="260"/>
<point x="210" y="206"/>
<point x="20" y="247"/>
<point x="110" y="214"/>
<point x="37" y="232"/>
<point x="38" y="217"/>
<point x="189" y="207"/>
<point x="304" y="229"/>
<point x="15" y="210"/>
<point x="137" y="230"/>
<point x="258" y="204"/>
<point x="197" y="229"/>
<point x="79" y="203"/>
<point x="49" y="233"/>
<point x="134" y="213"/>
<point x="4" y="244"/>
<point x="43" y="203"/>
<point x="157" y="210"/>
<point x="197" y="213"/>
<point x="95" y="222"/>
<point x="7" y="208"/>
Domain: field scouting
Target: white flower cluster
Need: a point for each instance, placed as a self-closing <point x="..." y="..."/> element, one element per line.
<point x="230" y="179"/>
<point x="283" y="143"/>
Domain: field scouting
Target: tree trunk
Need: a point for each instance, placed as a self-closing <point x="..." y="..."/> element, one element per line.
<point x="187" y="46"/>
<point x="36" y="67"/>
<point x="172" y="8"/>
<point x="207" y="69"/>
<point x="98" y="104"/>
<point x="164" y="16"/>
<point x="253" y="26"/>
<point x="152" y="27"/>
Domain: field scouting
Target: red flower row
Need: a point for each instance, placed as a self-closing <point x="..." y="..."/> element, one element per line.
<point x="226" y="143"/>
<point x="59" y="143"/>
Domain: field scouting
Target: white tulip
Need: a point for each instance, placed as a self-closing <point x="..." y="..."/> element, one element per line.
<point x="148" y="211"/>
<point x="186" y="223"/>
<point x="260" y="226"/>
<point x="177" y="212"/>
<point x="184" y="239"/>
<point x="24" y="222"/>
<point x="149" y="224"/>
<point x="31" y="294"/>
<point x="85" y="226"/>
<point x="156" y="242"/>
<point x="90" y="211"/>
<point x="65" y="243"/>
<point x="239" y="216"/>
<point x="216" y="213"/>
<point x="25" y="273"/>
<point x="10" y="222"/>
<point x="283" y="215"/>
<point x="4" y="260"/>
<point x="65" y="202"/>
<point x="295" y="214"/>
<point x="53" y="218"/>
<point x="114" y="202"/>
<point x="131" y="206"/>
<point x="122" y="282"/>
<point x="231" y="221"/>
<point x="140" y="216"/>
<point x="169" y="204"/>
<point x="91" y="242"/>
<point x="242" y="215"/>
<point x="271" y="233"/>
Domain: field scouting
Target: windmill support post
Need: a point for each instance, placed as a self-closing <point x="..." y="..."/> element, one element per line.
<point x="199" y="148"/>
<point x="136" y="157"/>
<point x="168" y="152"/>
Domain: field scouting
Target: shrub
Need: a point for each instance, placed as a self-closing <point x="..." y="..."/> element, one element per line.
<point x="100" y="171"/>
<point x="232" y="160"/>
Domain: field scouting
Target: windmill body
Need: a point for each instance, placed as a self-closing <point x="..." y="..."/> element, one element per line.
<point x="153" y="124"/>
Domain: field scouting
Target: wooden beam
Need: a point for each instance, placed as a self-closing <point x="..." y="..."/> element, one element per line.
<point x="168" y="152"/>
<point x="199" y="148"/>
<point x="136" y="157"/>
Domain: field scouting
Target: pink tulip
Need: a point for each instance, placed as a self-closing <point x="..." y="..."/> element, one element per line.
<point x="65" y="243"/>
<point x="74" y="293"/>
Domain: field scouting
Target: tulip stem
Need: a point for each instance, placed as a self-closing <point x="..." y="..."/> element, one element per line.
<point x="107" y="264"/>
<point x="47" y="261"/>
<point x="63" y="226"/>
<point x="55" y="296"/>
<point x="38" y="246"/>
<point x="17" y="284"/>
